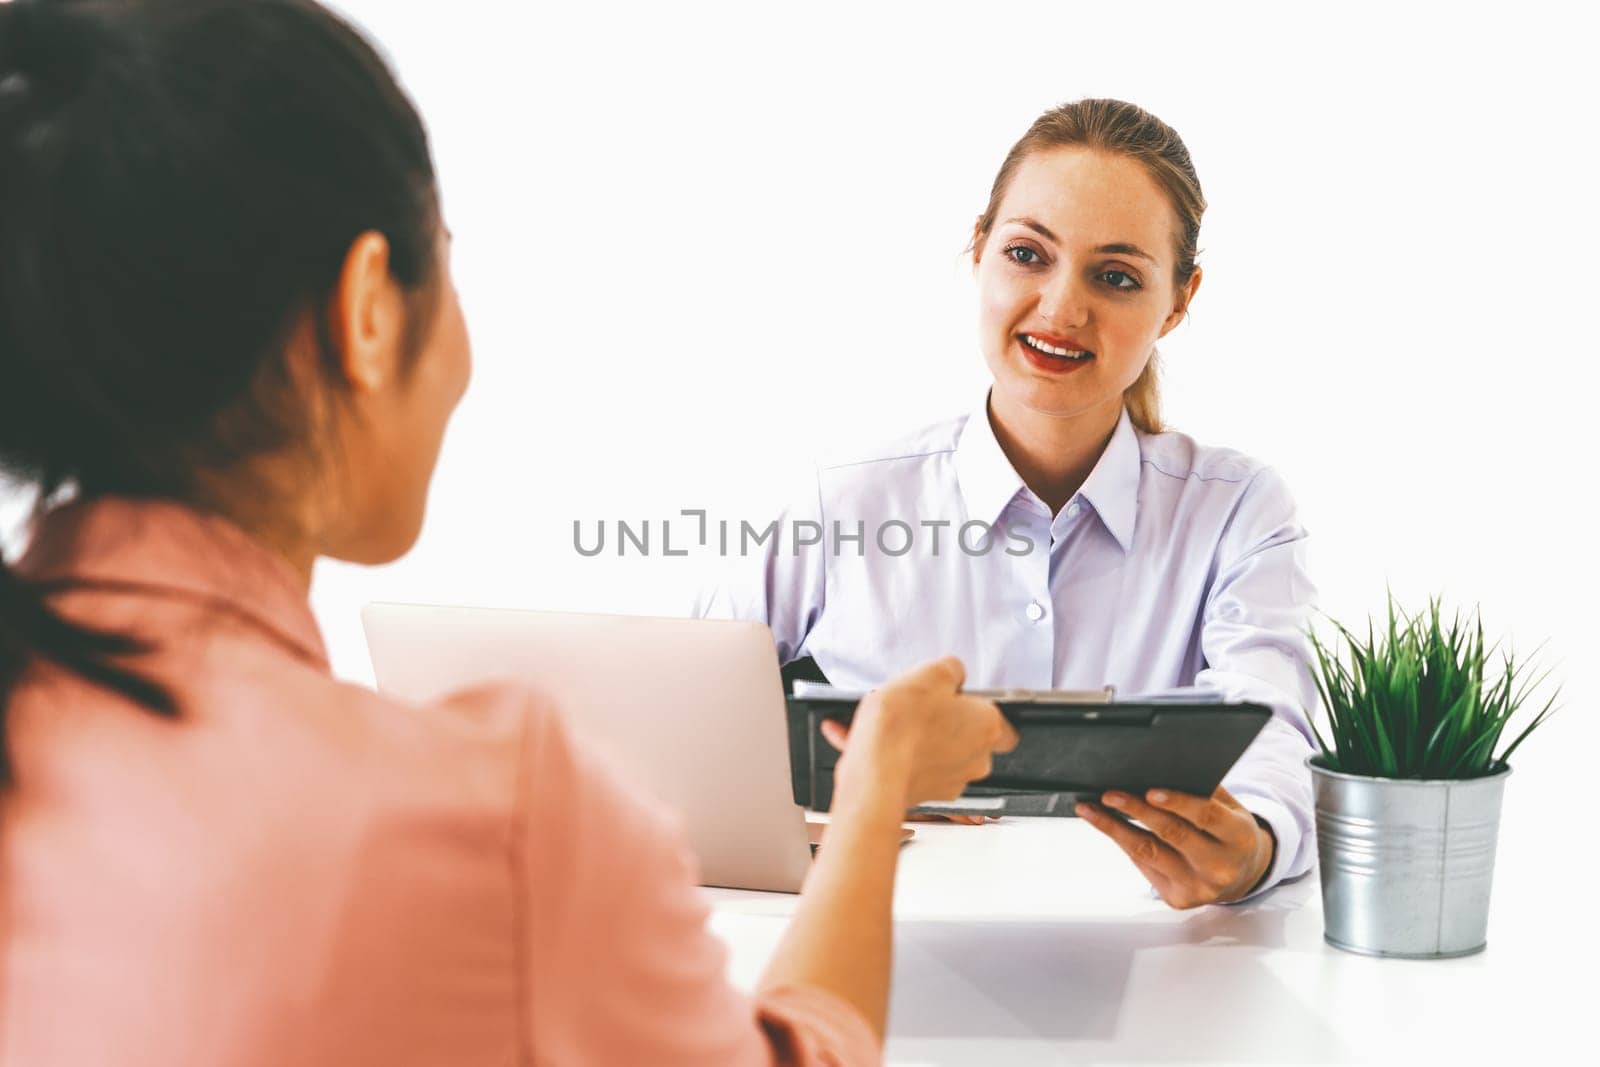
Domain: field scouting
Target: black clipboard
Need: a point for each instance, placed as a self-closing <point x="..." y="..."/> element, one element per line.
<point x="1065" y="752"/>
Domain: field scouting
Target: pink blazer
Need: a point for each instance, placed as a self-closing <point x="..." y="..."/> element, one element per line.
<point x="300" y="871"/>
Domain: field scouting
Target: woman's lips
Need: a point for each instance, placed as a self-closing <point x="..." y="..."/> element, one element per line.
<point x="1057" y="365"/>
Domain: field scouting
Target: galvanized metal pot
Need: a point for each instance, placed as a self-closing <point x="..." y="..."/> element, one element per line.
<point x="1406" y="864"/>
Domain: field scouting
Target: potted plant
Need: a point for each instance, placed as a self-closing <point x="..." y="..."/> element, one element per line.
<point x="1409" y="781"/>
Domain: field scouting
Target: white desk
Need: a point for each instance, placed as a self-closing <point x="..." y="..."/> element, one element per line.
<point x="1032" y="941"/>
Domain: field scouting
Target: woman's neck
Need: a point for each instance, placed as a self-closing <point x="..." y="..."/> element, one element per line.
<point x="1052" y="454"/>
<point x="269" y="512"/>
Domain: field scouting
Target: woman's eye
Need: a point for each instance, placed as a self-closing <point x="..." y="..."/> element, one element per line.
<point x="1023" y="254"/>
<point x="1118" y="279"/>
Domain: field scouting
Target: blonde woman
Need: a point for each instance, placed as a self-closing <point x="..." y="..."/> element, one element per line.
<point x="1059" y="535"/>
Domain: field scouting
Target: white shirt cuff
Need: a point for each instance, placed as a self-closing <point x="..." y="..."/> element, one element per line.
<point x="1284" y="828"/>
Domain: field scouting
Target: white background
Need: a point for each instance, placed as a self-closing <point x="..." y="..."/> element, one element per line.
<point x="698" y="244"/>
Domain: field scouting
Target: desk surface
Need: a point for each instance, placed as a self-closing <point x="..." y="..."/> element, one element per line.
<point x="1032" y="941"/>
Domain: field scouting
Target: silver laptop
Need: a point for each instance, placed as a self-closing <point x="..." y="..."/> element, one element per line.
<point x="691" y="710"/>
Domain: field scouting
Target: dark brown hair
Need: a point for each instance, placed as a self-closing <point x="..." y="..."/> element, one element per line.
<point x="180" y="182"/>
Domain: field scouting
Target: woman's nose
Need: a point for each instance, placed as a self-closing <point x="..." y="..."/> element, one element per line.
<point x="1062" y="303"/>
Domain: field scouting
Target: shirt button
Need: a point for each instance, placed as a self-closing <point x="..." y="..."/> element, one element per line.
<point x="1072" y="510"/>
<point x="1035" y="610"/>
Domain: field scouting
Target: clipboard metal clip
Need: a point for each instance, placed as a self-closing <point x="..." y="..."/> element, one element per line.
<point x="1106" y="695"/>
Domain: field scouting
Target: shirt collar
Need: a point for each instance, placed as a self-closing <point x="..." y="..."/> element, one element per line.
<point x="166" y="548"/>
<point x="988" y="481"/>
<point x="1112" y="488"/>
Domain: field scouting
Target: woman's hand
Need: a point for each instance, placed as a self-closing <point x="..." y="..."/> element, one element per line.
<point x="915" y="739"/>
<point x="1197" y="850"/>
<point x="939" y="816"/>
<point x="920" y="737"/>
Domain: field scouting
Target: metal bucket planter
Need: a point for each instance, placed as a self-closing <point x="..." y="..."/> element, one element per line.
<point x="1406" y="864"/>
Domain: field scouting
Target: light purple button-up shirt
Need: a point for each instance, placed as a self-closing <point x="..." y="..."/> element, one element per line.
<point x="1174" y="565"/>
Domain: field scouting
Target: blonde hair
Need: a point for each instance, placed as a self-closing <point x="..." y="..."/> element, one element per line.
<point x="1129" y="130"/>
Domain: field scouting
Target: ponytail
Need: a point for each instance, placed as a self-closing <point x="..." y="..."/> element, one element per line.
<point x="31" y="631"/>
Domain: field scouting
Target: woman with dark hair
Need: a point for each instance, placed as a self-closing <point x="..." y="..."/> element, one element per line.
<point x="230" y="344"/>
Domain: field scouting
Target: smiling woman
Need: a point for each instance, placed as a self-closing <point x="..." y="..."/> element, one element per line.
<point x="1120" y="187"/>
<point x="1152" y="561"/>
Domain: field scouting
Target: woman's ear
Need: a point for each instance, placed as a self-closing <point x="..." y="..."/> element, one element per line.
<point x="977" y="241"/>
<point x="1180" y="302"/>
<point x="366" y="314"/>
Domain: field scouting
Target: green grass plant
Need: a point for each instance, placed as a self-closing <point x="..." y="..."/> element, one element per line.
<point x="1418" y="700"/>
